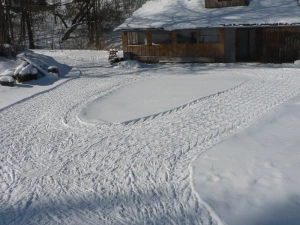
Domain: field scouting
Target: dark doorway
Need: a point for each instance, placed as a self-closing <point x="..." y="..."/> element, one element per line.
<point x="242" y="44"/>
<point x="246" y="45"/>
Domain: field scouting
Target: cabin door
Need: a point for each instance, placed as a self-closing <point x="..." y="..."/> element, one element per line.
<point x="242" y="44"/>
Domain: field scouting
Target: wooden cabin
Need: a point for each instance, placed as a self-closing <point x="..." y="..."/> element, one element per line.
<point x="221" y="42"/>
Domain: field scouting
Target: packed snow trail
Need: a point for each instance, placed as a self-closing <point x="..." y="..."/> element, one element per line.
<point x="54" y="169"/>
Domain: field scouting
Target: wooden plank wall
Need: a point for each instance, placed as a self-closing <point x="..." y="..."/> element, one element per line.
<point x="224" y="3"/>
<point x="211" y="50"/>
<point x="280" y="45"/>
<point x="272" y="45"/>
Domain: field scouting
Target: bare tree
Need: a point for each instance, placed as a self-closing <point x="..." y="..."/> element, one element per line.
<point x="26" y="9"/>
<point x="23" y="21"/>
<point x="103" y="16"/>
<point x="4" y="23"/>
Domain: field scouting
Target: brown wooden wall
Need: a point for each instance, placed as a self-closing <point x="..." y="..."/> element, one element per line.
<point x="224" y="3"/>
<point x="209" y="50"/>
<point x="279" y="45"/>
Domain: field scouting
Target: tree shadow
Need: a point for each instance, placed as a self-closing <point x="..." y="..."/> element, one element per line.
<point x="64" y="69"/>
<point x="285" y="213"/>
<point x="148" y="207"/>
<point x="22" y="85"/>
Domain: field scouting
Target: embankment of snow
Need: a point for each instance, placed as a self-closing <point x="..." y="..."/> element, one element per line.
<point x="251" y="178"/>
<point x="129" y="64"/>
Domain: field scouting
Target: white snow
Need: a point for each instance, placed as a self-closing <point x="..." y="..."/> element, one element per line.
<point x="191" y="14"/>
<point x="52" y="67"/>
<point x="8" y="72"/>
<point x="10" y="95"/>
<point x="204" y="144"/>
<point x="297" y="63"/>
<point x="161" y="94"/>
<point x="19" y="68"/>
<point x="129" y="64"/>
<point x="26" y="70"/>
<point x="6" y="79"/>
<point x="251" y="178"/>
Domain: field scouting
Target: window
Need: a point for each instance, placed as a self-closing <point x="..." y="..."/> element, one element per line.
<point x="186" y="36"/>
<point x="137" y="38"/>
<point x="160" y="37"/>
<point x="209" y="35"/>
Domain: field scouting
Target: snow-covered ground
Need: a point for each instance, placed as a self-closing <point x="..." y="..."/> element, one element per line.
<point x="251" y="177"/>
<point x="150" y="144"/>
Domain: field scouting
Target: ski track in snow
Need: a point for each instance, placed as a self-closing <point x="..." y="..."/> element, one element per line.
<point x="55" y="169"/>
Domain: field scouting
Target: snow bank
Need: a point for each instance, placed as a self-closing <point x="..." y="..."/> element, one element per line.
<point x="251" y="178"/>
<point x="129" y="64"/>
<point x="297" y="63"/>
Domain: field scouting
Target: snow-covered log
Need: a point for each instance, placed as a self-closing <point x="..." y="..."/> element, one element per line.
<point x="45" y="73"/>
<point x="20" y="67"/>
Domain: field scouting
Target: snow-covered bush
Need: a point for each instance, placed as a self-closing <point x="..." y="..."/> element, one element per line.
<point x="297" y="63"/>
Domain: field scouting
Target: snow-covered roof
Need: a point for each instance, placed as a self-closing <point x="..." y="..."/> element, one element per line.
<point x="188" y="14"/>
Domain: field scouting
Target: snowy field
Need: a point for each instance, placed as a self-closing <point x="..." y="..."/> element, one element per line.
<point x="150" y="144"/>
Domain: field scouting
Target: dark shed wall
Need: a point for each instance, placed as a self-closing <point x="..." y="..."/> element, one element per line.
<point x="268" y="45"/>
<point x="279" y="45"/>
<point x="230" y="49"/>
<point x="224" y="3"/>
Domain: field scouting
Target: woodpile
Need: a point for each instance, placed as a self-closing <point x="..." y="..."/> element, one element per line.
<point x="26" y="71"/>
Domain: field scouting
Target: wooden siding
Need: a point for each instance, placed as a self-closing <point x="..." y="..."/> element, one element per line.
<point x="224" y="3"/>
<point x="124" y="39"/>
<point x="279" y="45"/>
<point x="180" y="50"/>
<point x="268" y="45"/>
<point x="209" y="50"/>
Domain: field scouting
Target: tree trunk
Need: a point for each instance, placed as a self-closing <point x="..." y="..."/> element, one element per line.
<point x="29" y="30"/>
<point x="90" y="29"/>
<point x="22" y="36"/>
<point x="4" y="38"/>
<point x="9" y="21"/>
